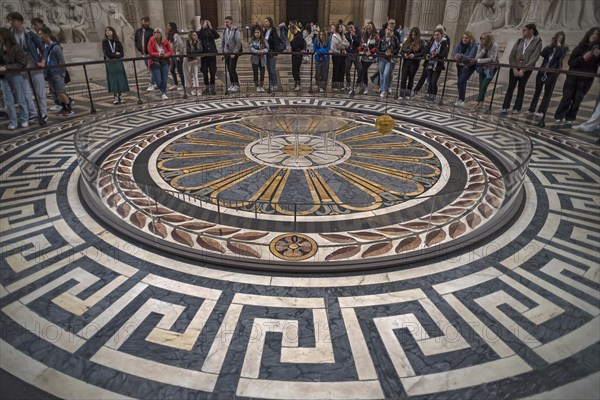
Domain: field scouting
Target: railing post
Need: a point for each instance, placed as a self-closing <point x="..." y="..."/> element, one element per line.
<point x="489" y="110"/>
<point x="37" y="102"/>
<point x="87" y="83"/>
<point x="137" y="83"/>
<point x="312" y="65"/>
<point x="185" y="96"/>
<point x="441" y="103"/>
<point x="400" y="64"/>
<point x="226" y="74"/>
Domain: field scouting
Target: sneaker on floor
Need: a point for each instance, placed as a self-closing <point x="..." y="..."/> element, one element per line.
<point x="33" y="117"/>
<point x="366" y="91"/>
<point x="55" y="107"/>
<point x="180" y="87"/>
<point x="568" y="124"/>
<point x="504" y="111"/>
<point x="321" y="90"/>
<point x="234" y="88"/>
<point x="538" y="115"/>
<point x="24" y="124"/>
<point x="164" y="96"/>
<point x="44" y="118"/>
<point x="122" y="101"/>
<point x="382" y="94"/>
<point x="150" y="88"/>
<point x="516" y="111"/>
<point x="174" y="87"/>
<point x="115" y="100"/>
<point x="558" y="121"/>
<point x="66" y="113"/>
<point x="11" y="127"/>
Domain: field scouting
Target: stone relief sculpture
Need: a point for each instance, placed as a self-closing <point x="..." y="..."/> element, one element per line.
<point x="491" y="15"/>
<point x="575" y="15"/>
<point x="78" y="21"/>
<point x="57" y="17"/>
<point x="118" y="21"/>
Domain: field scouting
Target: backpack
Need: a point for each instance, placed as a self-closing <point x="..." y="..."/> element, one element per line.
<point x="50" y="61"/>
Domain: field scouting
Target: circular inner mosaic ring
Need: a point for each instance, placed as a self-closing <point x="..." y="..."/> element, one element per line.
<point x="293" y="247"/>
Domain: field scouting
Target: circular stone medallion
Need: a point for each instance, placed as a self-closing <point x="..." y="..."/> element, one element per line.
<point x="297" y="152"/>
<point x="293" y="247"/>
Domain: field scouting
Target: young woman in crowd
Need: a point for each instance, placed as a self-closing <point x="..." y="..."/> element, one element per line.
<point x="584" y="58"/>
<point x="524" y="53"/>
<point x="387" y="48"/>
<point x="553" y="56"/>
<point x="412" y="50"/>
<point x="368" y="50"/>
<point x="115" y="71"/>
<point x="435" y="55"/>
<point x="321" y="46"/>
<point x="486" y="54"/>
<point x="272" y="38"/>
<point x="464" y="51"/>
<point x="259" y="49"/>
<point x="193" y="49"/>
<point x="160" y="52"/>
<point x="297" y="44"/>
<point x="178" y="50"/>
<point x="339" y="44"/>
<point x="13" y="88"/>
<point x="423" y="77"/>
<point x="208" y="64"/>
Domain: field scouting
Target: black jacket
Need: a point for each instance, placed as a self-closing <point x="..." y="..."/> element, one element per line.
<point x="207" y="37"/>
<point x="298" y="43"/>
<point x="354" y="41"/>
<point x="442" y="54"/>
<point x="578" y="63"/>
<point x="274" y="41"/>
<point x="139" y="40"/>
<point x="108" y="53"/>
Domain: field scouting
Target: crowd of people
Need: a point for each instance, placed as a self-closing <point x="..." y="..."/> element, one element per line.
<point x="351" y="51"/>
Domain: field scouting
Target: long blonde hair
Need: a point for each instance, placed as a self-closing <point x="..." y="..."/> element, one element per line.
<point x="487" y="40"/>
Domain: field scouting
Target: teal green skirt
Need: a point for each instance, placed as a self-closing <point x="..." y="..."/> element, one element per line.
<point x="116" y="77"/>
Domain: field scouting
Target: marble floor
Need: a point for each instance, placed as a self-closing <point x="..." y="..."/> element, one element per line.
<point x="88" y="312"/>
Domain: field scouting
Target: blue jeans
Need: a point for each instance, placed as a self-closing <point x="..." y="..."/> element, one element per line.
<point x="271" y="64"/>
<point x="464" y="73"/>
<point x="10" y="83"/>
<point x="385" y="74"/>
<point x="146" y="61"/>
<point x="160" y="74"/>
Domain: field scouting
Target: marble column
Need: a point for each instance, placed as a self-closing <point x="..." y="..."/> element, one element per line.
<point x="155" y="11"/>
<point x="231" y="8"/>
<point x="431" y="14"/>
<point x="367" y="11"/>
<point x="380" y="11"/>
<point x="176" y="11"/>
<point x="190" y="13"/>
<point x="411" y="18"/>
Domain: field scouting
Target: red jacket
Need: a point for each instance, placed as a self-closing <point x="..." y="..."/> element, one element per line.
<point x="153" y="51"/>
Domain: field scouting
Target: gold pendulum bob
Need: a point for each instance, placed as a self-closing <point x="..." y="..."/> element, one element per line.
<point x="384" y="124"/>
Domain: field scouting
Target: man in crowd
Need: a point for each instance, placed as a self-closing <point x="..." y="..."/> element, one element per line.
<point x="33" y="48"/>
<point x="231" y="45"/>
<point x="141" y="38"/>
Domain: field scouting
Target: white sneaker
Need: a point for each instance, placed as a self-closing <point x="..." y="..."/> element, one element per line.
<point x="366" y="91"/>
<point x="459" y="103"/>
<point x="321" y="90"/>
<point x="234" y="88"/>
<point x="164" y="96"/>
<point x="538" y="115"/>
<point x="55" y="107"/>
<point x="150" y="88"/>
<point x="382" y="94"/>
<point x="262" y="89"/>
<point x="390" y="90"/>
<point x="258" y="89"/>
<point x="174" y="87"/>
<point x="24" y="124"/>
<point x="193" y="92"/>
<point x="11" y="127"/>
<point x="180" y="87"/>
